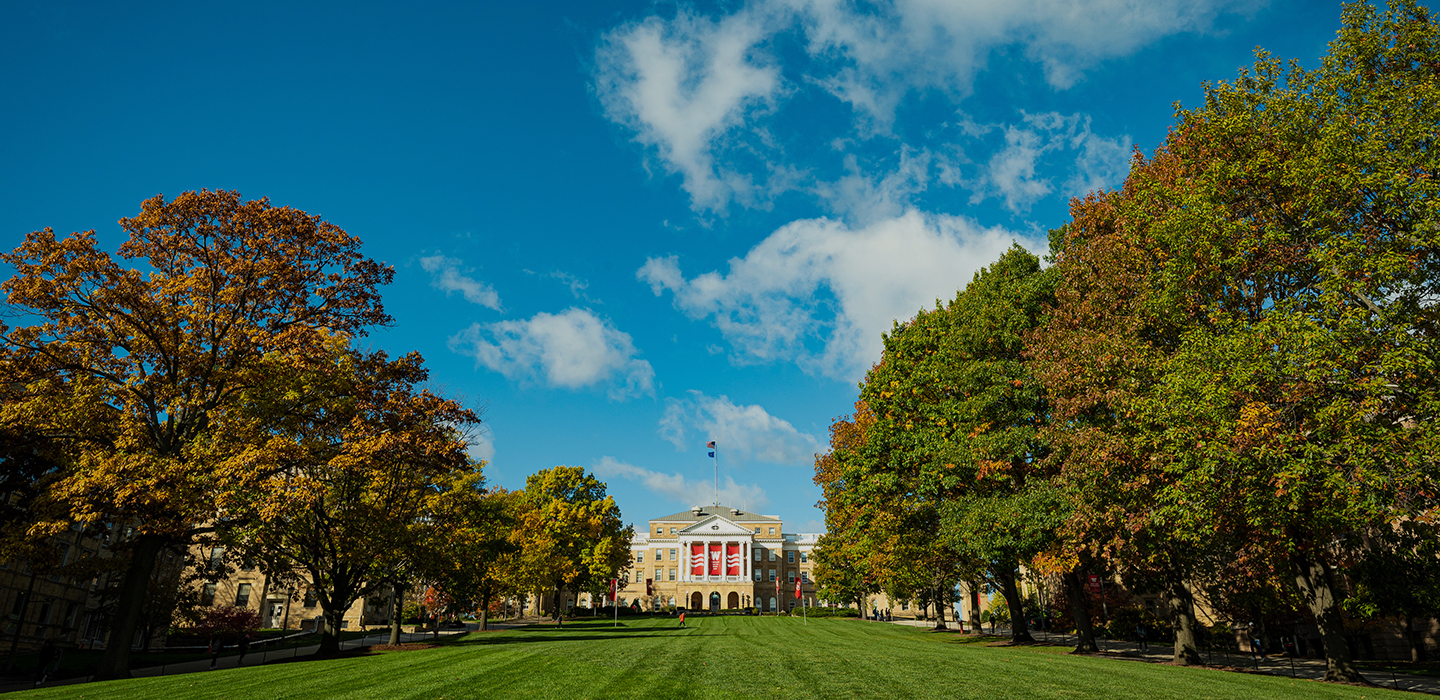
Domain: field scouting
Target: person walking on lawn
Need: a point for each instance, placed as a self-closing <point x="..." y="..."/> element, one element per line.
<point x="47" y="657"/>
<point x="215" y="647"/>
<point x="682" y="618"/>
<point x="244" y="647"/>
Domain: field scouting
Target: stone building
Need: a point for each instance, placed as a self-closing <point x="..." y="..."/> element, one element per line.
<point x="719" y="558"/>
<point x="283" y="604"/>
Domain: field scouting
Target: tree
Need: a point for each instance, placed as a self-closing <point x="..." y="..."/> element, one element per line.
<point x="370" y="457"/>
<point x="570" y="534"/>
<point x="468" y="541"/>
<point x="841" y="560"/>
<point x="138" y="372"/>
<point x="1242" y="354"/>
<point x="957" y="424"/>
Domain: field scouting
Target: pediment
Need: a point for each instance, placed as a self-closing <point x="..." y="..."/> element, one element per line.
<point x="716" y="525"/>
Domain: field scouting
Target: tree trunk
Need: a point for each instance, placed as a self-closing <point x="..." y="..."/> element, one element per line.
<point x="116" y="661"/>
<point x="397" y="611"/>
<point x="334" y="613"/>
<point x="1080" y="611"/>
<point x="485" y="611"/>
<point x="975" y="608"/>
<point x="939" y="612"/>
<point x="1019" y="631"/>
<point x="1181" y="602"/>
<point x="1318" y="591"/>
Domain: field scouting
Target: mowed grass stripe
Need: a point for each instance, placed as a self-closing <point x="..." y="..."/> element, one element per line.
<point x="729" y="657"/>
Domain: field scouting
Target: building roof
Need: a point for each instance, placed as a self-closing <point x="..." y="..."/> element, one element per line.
<point x="727" y="512"/>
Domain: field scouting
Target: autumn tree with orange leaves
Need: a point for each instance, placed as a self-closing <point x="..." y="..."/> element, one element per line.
<point x="138" y="362"/>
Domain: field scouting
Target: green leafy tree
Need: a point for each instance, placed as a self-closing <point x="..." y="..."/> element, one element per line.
<point x="570" y="534"/>
<point x="468" y="540"/>
<point x="1242" y="355"/>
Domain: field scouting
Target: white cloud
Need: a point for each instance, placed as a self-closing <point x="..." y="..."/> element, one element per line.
<point x="704" y="94"/>
<point x="677" y="487"/>
<point x="572" y="349"/>
<point x="1011" y="173"/>
<point x="746" y="432"/>
<point x="482" y="445"/>
<point x="769" y="305"/>
<point x="445" y="274"/>
<point x="683" y="85"/>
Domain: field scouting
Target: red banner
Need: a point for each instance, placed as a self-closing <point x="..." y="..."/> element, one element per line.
<point x="732" y="559"/>
<point x="797" y="588"/>
<point x="697" y="559"/>
<point x="714" y="551"/>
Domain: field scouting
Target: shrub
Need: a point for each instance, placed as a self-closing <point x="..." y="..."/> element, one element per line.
<point x="228" y="621"/>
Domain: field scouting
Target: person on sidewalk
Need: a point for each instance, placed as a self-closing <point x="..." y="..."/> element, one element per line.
<point x="215" y="647"/>
<point x="1140" y="636"/>
<point x="42" y="667"/>
<point x="244" y="647"/>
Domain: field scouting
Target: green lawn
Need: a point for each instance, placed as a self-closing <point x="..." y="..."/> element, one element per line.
<point x="728" y="657"/>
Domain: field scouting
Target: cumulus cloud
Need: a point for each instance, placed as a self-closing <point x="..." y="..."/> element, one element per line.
<point x="704" y="95"/>
<point x="746" y="432"/>
<point x="821" y="292"/>
<point x="572" y="349"/>
<point x="1011" y="173"/>
<point x="684" y="84"/>
<point x="677" y="487"/>
<point x="445" y="274"/>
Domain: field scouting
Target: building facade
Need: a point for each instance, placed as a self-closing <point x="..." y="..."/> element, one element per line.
<point x="719" y="558"/>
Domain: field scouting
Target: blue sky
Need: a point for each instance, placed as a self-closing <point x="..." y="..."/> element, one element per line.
<point x="625" y="228"/>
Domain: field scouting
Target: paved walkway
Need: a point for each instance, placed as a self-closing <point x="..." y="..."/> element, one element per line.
<point x="1272" y="665"/>
<point x="258" y="657"/>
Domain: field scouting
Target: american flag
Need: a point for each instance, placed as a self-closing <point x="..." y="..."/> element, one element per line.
<point x="710" y="444"/>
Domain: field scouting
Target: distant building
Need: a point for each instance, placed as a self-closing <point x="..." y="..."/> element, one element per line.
<point x="719" y="558"/>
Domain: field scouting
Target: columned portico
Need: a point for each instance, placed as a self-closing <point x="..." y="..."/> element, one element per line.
<point x="709" y="555"/>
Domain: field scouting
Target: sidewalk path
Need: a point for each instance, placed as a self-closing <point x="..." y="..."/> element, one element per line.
<point x="1272" y="665"/>
<point x="256" y="658"/>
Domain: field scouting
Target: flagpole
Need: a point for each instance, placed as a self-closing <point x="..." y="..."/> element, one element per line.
<point x="716" y="456"/>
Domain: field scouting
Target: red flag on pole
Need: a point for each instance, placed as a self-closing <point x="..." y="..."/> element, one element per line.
<point x="614" y="587"/>
<point x="797" y="588"/>
<point x="649" y="587"/>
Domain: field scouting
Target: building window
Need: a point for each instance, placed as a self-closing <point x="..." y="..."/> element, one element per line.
<point x="757" y="553"/>
<point x="310" y="598"/>
<point x="772" y="575"/>
<point x="640" y="556"/>
<point x="217" y="557"/>
<point x="772" y="555"/>
<point x="757" y="530"/>
<point x="804" y="557"/>
<point x="904" y="605"/>
<point x="772" y="530"/>
<point x="772" y="605"/>
<point x="638" y="574"/>
<point x="790" y="557"/>
<point x="672" y="530"/>
<point x="659" y="530"/>
<point x="757" y="573"/>
<point x="672" y="555"/>
<point x="792" y="576"/>
<point x="657" y="575"/>
<point x="207" y="594"/>
<point x="247" y="564"/>
<point x="672" y="577"/>
<point x="804" y="576"/>
<point x="242" y="596"/>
